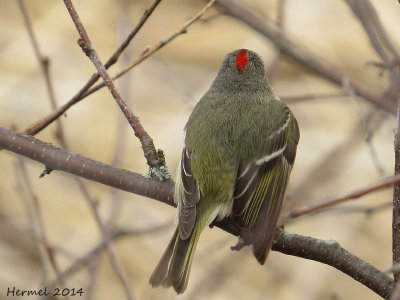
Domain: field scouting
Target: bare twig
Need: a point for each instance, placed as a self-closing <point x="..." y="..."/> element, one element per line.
<point x="157" y="47"/>
<point x="297" y="52"/>
<point x="327" y="252"/>
<point x="393" y="180"/>
<point x="41" y="124"/>
<point x="155" y="159"/>
<point x="396" y="199"/>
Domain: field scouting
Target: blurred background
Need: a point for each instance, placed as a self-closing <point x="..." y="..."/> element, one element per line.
<point x="334" y="155"/>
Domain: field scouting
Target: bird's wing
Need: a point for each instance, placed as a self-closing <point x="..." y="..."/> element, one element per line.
<point x="187" y="196"/>
<point x="261" y="184"/>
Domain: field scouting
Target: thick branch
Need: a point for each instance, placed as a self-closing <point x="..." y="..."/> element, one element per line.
<point x="332" y="254"/>
<point x="396" y="199"/>
<point x="327" y="252"/>
<point x="297" y="52"/>
<point x="58" y="159"/>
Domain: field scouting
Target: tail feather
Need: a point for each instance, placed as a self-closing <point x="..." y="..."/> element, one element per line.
<point x="174" y="266"/>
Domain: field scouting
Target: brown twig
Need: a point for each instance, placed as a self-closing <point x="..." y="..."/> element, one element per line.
<point x="396" y="199"/>
<point x="157" y="47"/>
<point x="327" y="252"/>
<point x="43" y="123"/>
<point x="297" y="52"/>
<point x="155" y="159"/>
<point x="393" y="180"/>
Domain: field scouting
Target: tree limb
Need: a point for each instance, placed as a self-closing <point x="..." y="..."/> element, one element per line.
<point x="327" y="252"/>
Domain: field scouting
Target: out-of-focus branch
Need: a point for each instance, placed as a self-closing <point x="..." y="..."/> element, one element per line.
<point x="393" y="180"/>
<point x="44" y="65"/>
<point x="41" y="235"/>
<point x="327" y="252"/>
<point x="366" y="13"/>
<point x="296" y="52"/>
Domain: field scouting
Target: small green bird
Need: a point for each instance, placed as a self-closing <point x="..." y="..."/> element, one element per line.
<point x="240" y="147"/>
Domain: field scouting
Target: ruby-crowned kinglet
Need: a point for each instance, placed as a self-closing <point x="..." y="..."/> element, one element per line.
<point x="240" y="147"/>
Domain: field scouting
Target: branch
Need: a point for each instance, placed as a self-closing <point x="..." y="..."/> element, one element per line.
<point x="41" y="124"/>
<point x="396" y="199"/>
<point x="352" y="195"/>
<point x="327" y="252"/>
<point x="297" y="52"/>
<point x="332" y="254"/>
<point x="152" y="50"/>
<point x="58" y="159"/>
<point x="155" y="159"/>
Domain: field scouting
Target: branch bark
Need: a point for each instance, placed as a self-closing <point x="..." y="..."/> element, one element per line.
<point x="327" y="252"/>
<point x="396" y="199"/>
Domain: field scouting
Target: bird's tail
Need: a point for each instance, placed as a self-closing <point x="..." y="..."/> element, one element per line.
<point x="174" y="266"/>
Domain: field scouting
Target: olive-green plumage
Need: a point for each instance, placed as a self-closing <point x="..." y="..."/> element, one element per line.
<point x="239" y="149"/>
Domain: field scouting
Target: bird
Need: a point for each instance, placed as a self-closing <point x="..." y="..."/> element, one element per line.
<point x="240" y="146"/>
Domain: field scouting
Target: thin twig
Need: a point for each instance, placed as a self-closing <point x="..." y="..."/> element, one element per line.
<point x="43" y="123"/>
<point x="349" y="196"/>
<point x="327" y="252"/>
<point x="157" y="47"/>
<point x="155" y="159"/>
